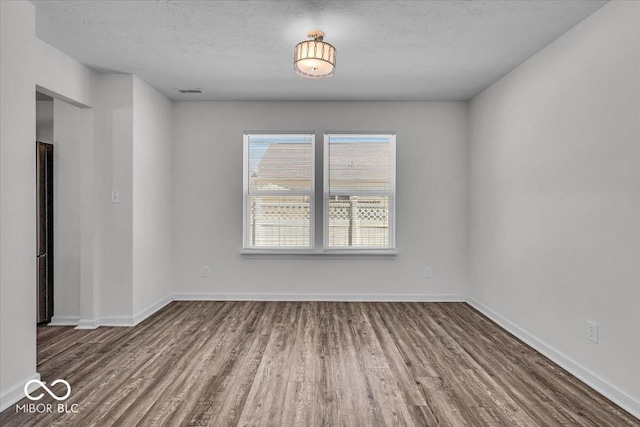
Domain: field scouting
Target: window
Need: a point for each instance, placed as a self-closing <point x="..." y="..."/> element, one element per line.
<point x="358" y="201"/>
<point x="359" y="191"/>
<point x="278" y="191"/>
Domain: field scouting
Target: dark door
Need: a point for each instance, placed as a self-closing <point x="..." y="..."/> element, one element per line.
<point x="44" y="256"/>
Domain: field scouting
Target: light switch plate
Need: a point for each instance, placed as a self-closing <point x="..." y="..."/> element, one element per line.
<point x="592" y="331"/>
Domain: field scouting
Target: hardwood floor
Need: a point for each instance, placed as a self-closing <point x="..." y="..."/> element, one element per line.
<point x="310" y="364"/>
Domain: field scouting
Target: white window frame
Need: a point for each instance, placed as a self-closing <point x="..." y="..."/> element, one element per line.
<point x="391" y="194"/>
<point x="246" y="210"/>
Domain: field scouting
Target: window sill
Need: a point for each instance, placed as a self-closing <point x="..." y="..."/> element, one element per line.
<point x="323" y="254"/>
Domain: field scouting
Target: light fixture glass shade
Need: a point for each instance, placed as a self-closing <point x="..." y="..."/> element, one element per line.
<point x="314" y="59"/>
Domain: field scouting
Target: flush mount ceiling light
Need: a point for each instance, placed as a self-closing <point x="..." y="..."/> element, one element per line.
<point x="314" y="58"/>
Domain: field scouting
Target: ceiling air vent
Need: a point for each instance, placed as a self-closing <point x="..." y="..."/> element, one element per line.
<point x="190" y="90"/>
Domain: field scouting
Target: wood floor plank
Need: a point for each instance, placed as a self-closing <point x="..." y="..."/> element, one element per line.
<point x="389" y="400"/>
<point x="412" y="339"/>
<point x="441" y="409"/>
<point x="238" y="359"/>
<point x="327" y="395"/>
<point x="493" y="395"/>
<point x="265" y="403"/>
<point x="229" y="408"/>
<point x="340" y="319"/>
<point x="126" y="404"/>
<point x="307" y="356"/>
<point x="348" y="380"/>
<point x="301" y="405"/>
<point x="169" y="394"/>
<point x="446" y="344"/>
<point x="531" y="382"/>
<point x="199" y="363"/>
<point x="397" y="363"/>
<point x="365" y="339"/>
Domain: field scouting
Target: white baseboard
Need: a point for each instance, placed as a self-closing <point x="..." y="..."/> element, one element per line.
<point x="612" y="393"/>
<point x="64" y="321"/>
<point x="128" y="321"/>
<point x="16" y="393"/>
<point x="142" y="315"/>
<point x="319" y="297"/>
<point x="118" y="321"/>
<point x="88" y="324"/>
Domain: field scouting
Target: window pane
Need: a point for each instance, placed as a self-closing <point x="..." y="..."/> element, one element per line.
<point x="358" y="221"/>
<point x="279" y="221"/>
<point x="280" y="162"/>
<point x="359" y="163"/>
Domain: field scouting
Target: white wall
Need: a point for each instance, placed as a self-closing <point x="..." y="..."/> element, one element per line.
<point x="67" y="150"/>
<point x="17" y="200"/>
<point x="63" y="77"/>
<point x="113" y="154"/>
<point x="66" y="79"/>
<point x="89" y="232"/>
<point x="93" y="154"/>
<point x="44" y="121"/>
<point x="96" y="282"/>
<point x="132" y="156"/>
<point x="152" y="196"/>
<point x="555" y="199"/>
<point x="431" y="201"/>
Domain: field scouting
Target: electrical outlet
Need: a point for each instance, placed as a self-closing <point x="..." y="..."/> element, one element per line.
<point x="115" y="196"/>
<point x="205" y="271"/>
<point x="592" y="331"/>
<point x="428" y="273"/>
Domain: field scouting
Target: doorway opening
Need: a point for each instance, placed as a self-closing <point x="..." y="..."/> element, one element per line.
<point x="44" y="207"/>
<point x="44" y="255"/>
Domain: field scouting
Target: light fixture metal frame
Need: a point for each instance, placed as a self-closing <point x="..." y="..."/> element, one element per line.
<point x="316" y="38"/>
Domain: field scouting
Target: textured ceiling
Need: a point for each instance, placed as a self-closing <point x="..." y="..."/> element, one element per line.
<point x="243" y="50"/>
